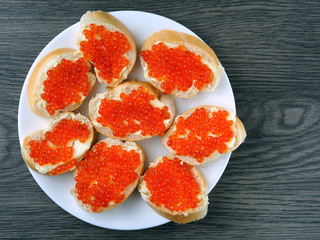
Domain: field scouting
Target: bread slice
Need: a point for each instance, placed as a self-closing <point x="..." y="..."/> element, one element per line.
<point x="179" y="216"/>
<point x="173" y="39"/>
<point x="109" y="143"/>
<point x="111" y="24"/>
<point x="35" y="86"/>
<point x="237" y="128"/>
<point x="80" y="148"/>
<point x="114" y="94"/>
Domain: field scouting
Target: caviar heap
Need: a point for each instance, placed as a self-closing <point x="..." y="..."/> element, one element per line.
<point x="66" y="83"/>
<point x="54" y="149"/>
<point x="104" y="175"/>
<point x="176" y="68"/>
<point x="201" y="134"/>
<point x="106" y="50"/>
<point x="134" y="113"/>
<point x="172" y="185"/>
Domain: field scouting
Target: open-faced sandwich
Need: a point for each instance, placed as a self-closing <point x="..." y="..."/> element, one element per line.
<point x="59" y="83"/>
<point x="108" y="45"/>
<point x="60" y="146"/>
<point x="179" y="63"/>
<point x="175" y="190"/>
<point x="108" y="174"/>
<point x="203" y="133"/>
<point x="131" y="111"/>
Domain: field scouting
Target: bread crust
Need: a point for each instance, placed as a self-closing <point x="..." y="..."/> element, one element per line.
<point x="111" y="24"/>
<point x="238" y="129"/>
<point x="40" y="135"/>
<point x="193" y="44"/>
<point x="38" y="76"/>
<point x="131" y="187"/>
<point x="179" y="217"/>
<point x="114" y="93"/>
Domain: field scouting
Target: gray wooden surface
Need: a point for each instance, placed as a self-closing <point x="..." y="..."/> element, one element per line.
<point x="270" y="50"/>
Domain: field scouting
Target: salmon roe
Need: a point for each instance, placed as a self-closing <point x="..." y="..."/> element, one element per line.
<point x="172" y="185"/>
<point x="199" y="135"/>
<point x="66" y="83"/>
<point x="104" y="175"/>
<point x="106" y="51"/>
<point x="176" y="68"/>
<point x="54" y="148"/>
<point x="134" y="113"/>
<point x="65" y="167"/>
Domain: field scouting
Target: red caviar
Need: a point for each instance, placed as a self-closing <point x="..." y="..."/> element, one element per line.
<point x="134" y="113"/>
<point x="65" y="167"/>
<point x="199" y="135"/>
<point x="176" y="68"/>
<point x="106" y="51"/>
<point x="172" y="185"/>
<point x="54" y="148"/>
<point x="66" y="83"/>
<point x="104" y="175"/>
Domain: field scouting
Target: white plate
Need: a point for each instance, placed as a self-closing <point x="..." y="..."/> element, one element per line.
<point x="134" y="213"/>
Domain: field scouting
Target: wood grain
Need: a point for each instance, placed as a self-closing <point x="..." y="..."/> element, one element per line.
<point x="270" y="50"/>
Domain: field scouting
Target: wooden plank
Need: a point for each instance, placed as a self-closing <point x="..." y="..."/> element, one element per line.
<point x="270" y="50"/>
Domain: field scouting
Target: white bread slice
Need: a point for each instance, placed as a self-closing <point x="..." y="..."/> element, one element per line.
<point x="79" y="148"/>
<point x="178" y="216"/>
<point x="238" y="129"/>
<point x="39" y="75"/>
<point x="127" y="87"/>
<point x="174" y="39"/>
<point x="111" y="24"/>
<point x="128" y="146"/>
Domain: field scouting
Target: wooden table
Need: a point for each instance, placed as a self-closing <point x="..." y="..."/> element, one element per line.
<point x="270" y="50"/>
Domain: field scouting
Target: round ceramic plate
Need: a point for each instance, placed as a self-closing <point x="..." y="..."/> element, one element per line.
<point x="134" y="213"/>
